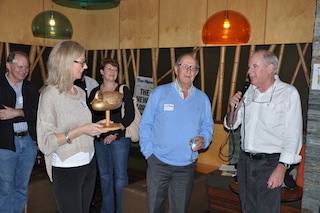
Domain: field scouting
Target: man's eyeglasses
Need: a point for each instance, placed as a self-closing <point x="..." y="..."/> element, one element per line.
<point x="265" y="99"/>
<point x="81" y="62"/>
<point x="191" y="67"/>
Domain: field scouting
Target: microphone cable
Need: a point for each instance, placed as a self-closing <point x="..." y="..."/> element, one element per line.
<point x="231" y="135"/>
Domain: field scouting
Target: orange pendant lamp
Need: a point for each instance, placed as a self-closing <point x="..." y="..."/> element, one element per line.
<point x="226" y="27"/>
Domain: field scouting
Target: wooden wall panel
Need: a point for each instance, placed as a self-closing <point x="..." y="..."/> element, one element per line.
<point x="160" y="23"/>
<point x="15" y="22"/>
<point x="94" y="29"/>
<point x="181" y="22"/>
<point x="139" y="21"/>
<point x="254" y="11"/>
<point x="290" y="21"/>
<point x="101" y="29"/>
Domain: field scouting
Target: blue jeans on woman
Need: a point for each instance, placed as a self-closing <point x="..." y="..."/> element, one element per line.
<point x="112" y="162"/>
<point x="15" y="172"/>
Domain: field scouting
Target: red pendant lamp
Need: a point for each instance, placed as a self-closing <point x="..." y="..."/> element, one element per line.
<point x="226" y="27"/>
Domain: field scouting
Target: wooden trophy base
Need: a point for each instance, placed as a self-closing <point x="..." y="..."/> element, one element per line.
<point x="111" y="127"/>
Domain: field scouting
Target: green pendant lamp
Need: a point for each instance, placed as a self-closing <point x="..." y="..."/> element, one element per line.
<point x="88" y="4"/>
<point x="51" y="24"/>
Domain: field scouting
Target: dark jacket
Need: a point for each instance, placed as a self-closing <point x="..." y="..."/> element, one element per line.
<point x="30" y="105"/>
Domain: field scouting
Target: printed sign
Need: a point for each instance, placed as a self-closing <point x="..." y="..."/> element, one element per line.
<point x="142" y="90"/>
<point x="315" y="84"/>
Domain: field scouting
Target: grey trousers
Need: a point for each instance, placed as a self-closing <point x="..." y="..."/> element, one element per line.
<point x="164" y="180"/>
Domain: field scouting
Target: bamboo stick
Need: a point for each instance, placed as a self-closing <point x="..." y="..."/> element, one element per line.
<point x="120" y="71"/>
<point x="215" y="94"/>
<point x="304" y="66"/>
<point x="221" y="79"/>
<point x="7" y="49"/>
<point x="154" y="66"/>
<point x="173" y="62"/>
<point x="280" y="57"/>
<point x="133" y="64"/>
<point x="299" y="64"/>
<point x="138" y="62"/>
<point x="87" y="55"/>
<point x="202" y="70"/>
<point x="252" y="50"/>
<point x="272" y="47"/>
<point x="157" y="58"/>
<point x="102" y="54"/>
<point x="113" y="53"/>
<point x="165" y="75"/>
<point x="234" y="73"/>
<point x="37" y="59"/>
<point x="125" y="67"/>
<point x="195" y="50"/>
<point x="129" y="59"/>
<point x="32" y="55"/>
<point x="94" y="64"/>
<point x="41" y="64"/>
<point x="1" y="51"/>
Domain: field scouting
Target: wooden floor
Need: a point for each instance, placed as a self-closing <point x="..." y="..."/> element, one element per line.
<point x="39" y="175"/>
<point x="134" y="175"/>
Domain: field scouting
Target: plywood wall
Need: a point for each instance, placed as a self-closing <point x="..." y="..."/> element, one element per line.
<point x="160" y="23"/>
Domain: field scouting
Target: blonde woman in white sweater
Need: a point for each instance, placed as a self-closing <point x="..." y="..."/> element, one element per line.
<point x="65" y="130"/>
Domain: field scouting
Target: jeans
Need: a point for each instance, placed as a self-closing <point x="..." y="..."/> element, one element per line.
<point x="253" y="175"/>
<point x="15" y="172"/>
<point x="112" y="162"/>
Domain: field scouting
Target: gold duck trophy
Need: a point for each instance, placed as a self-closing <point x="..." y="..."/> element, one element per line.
<point x="106" y="101"/>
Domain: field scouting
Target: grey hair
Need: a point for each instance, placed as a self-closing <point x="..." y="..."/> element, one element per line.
<point x="269" y="58"/>
<point x="187" y="54"/>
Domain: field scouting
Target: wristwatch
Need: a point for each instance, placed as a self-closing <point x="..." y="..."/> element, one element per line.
<point x="287" y="166"/>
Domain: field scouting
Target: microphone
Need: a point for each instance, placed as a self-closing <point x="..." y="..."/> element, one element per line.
<point x="244" y="90"/>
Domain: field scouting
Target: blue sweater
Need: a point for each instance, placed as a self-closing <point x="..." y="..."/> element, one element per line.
<point x="169" y="122"/>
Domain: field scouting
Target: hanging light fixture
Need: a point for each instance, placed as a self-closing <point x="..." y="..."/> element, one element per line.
<point x="88" y="4"/>
<point x="51" y="24"/>
<point x="226" y="27"/>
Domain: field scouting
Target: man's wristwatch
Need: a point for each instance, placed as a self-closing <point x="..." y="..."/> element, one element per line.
<point x="287" y="166"/>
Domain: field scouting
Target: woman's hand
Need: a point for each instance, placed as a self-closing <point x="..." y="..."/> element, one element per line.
<point x="94" y="129"/>
<point x="103" y="121"/>
<point x="109" y="138"/>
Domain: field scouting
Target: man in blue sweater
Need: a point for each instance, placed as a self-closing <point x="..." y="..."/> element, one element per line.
<point x="175" y="113"/>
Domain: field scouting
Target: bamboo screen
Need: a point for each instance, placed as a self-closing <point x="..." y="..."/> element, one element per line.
<point x="223" y="70"/>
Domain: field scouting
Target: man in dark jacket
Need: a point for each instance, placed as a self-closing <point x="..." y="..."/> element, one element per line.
<point x="18" y="110"/>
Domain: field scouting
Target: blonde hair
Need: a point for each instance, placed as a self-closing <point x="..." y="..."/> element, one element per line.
<point x="60" y="64"/>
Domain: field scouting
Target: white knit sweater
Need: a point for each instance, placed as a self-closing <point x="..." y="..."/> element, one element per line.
<point x="58" y="113"/>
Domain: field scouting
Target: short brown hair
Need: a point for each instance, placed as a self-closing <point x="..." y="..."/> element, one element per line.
<point x="110" y="61"/>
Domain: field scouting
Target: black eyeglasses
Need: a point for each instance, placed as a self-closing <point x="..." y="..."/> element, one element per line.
<point x="187" y="66"/>
<point x="81" y="62"/>
<point x="266" y="100"/>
